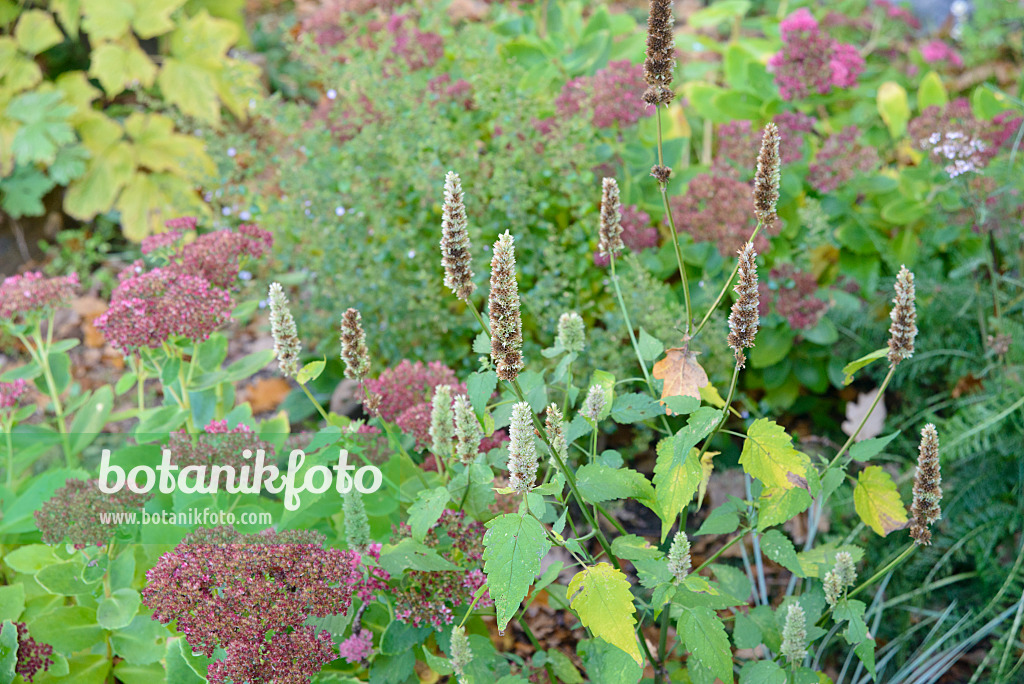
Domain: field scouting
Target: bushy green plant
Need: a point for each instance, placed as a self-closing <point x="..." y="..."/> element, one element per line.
<point x="96" y="146"/>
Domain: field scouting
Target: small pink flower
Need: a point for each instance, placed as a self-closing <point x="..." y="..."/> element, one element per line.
<point x="357" y="647"/>
<point x="11" y="393"/>
<point x="938" y="51"/>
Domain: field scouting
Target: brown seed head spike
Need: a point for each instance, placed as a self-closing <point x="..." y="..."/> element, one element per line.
<point x="766" y="180"/>
<point x="610" y="231"/>
<point x="744" y="320"/>
<point x="456" y="256"/>
<point x="660" y="62"/>
<point x="661" y="172"/>
<point x="904" y="319"/>
<point x="927" y="487"/>
<point x="506" y="323"/>
<point x="353" y="346"/>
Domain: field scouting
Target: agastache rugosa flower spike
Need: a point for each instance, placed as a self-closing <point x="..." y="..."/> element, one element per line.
<point x="556" y="433"/>
<point x="766" y="179"/>
<point x="357" y="526"/>
<point x="456" y="256"/>
<point x="660" y="61"/>
<point x="594" y="403"/>
<point x="506" y="323"/>
<point x="522" y="451"/>
<point x="282" y="328"/>
<point x="571" y="332"/>
<point x="743" y="319"/>
<point x="794" y="634"/>
<point x="679" y="562"/>
<point x="839" y="578"/>
<point x="442" y="426"/>
<point x="467" y="430"/>
<point x="927" y="487"/>
<point x="904" y="319"/>
<point x="353" y="346"/>
<point x="610" y="231"/>
<point x="461" y="654"/>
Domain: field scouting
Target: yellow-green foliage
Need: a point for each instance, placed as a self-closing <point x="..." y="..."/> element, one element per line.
<point x="54" y="130"/>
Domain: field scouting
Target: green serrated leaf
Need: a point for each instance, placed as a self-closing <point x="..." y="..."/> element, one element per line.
<point x="37" y="32"/>
<point x="650" y="347"/>
<point x="867" y="449"/>
<point x="122" y="65"/>
<point x="597" y="483"/>
<point x="601" y="597"/>
<point x="777" y="547"/>
<point x="513" y="548"/>
<point x="768" y="455"/>
<point x="426" y="510"/>
<point x="777" y="505"/>
<point x="878" y="502"/>
<point x="677" y="471"/>
<point x="704" y="635"/>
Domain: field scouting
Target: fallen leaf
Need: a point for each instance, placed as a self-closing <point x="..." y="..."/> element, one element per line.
<point x="855" y="411"/>
<point x="968" y="384"/>
<point x="682" y="374"/>
<point x="266" y="394"/>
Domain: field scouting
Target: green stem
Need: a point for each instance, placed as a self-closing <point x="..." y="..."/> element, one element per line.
<point x="659" y="667"/>
<point x="725" y="411"/>
<point x="8" y="429"/>
<point x="884" y="571"/>
<point x="725" y="288"/>
<point x="312" y="399"/>
<point x="864" y="420"/>
<point x="675" y="235"/>
<point x="720" y="551"/>
<point x="42" y="354"/>
<point x="568" y="389"/>
<point x="536" y="647"/>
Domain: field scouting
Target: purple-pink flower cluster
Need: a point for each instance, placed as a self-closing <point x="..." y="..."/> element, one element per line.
<point x="718" y="208"/>
<point x="33" y="657"/>
<point x="11" y="393"/>
<point x="792" y="293"/>
<point x="810" y="60"/>
<point x="900" y="14"/>
<point x="405" y="392"/>
<point x="447" y="90"/>
<point x="956" y="139"/>
<point x="840" y="158"/>
<point x="188" y="296"/>
<point x="357" y="648"/>
<point x="216" y="445"/>
<point x="81" y="514"/>
<point x="637" y="232"/>
<point x="939" y="51"/>
<point x="32" y="294"/>
<point x="613" y="95"/>
<point x="427" y="597"/>
<point x="251" y="595"/>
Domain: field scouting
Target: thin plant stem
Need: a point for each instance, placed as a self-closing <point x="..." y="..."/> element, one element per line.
<point x="725" y="288"/>
<point x="42" y="354"/>
<point x="725" y="411"/>
<point x="884" y="571"/>
<point x="864" y="420"/>
<point x="675" y="235"/>
<point x="716" y="554"/>
<point x="8" y="429"/>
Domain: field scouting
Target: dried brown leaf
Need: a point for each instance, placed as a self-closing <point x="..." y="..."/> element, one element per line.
<point x="682" y="374"/>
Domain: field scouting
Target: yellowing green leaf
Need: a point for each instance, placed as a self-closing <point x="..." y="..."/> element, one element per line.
<point x="707" y="466"/>
<point x="704" y="635"/>
<point x="777" y="505"/>
<point x="931" y="92"/>
<point x="893" y="107"/>
<point x="153" y="17"/>
<point x="191" y="88"/>
<point x="69" y="13"/>
<point x="513" y="548"/>
<point x="150" y="199"/>
<point x="107" y="19"/>
<point x="122" y="65"/>
<point x="37" y="31"/>
<point x="79" y="93"/>
<point x="878" y="502"/>
<point x="600" y="596"/>
<point x="677" y="471"/>
<point x="159" y="148"/>
<point x="768" y="455"/>
<point x="238" y="84"/>
<point x="96" y="191"/>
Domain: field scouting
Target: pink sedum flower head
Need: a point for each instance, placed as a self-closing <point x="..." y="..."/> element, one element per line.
<point x="810" y="61"/>
<point x="32" y="295"/>
<point x="73" y="513"/>
<point x="612" y="96"/>
<point x="938" y="51"/>
<point x="11" y="393"/>
<point x="357" y="648"/>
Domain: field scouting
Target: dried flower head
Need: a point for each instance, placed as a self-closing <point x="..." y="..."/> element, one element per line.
<point x="353" y="346"/>
<point x="522" y="450"/>
<point x="32" y="295"/>
<point x="33" y="657"/>
<point x="357" y="526"/>
<point x="571" y="332"/>
<point x="904" y="318"/>
<point x="660" y="62"/>
<point x="927" y="487"/>
<point x="456" y="255"/>
<point x="287" y="346"/>
<point x="794" y="634"/>
<point x="506" y="323"/>
<point x="150" y="307"/>
<point x="743" y="319"/>
<point x="467" y="431"/>
<point x="251" y="595"/>
<point x="556" y="432"/>
<point x="78" y="513"/>
<point x="766" y="179"/>
<point x="461" y="654"/>
<point x="594" y="404"/>
<point x="610" y="231"/>
<point x="679" y="562"/>
<point x="442" y="426"/>
<point x="357" y="648"/>
<point x="661" y="173"/>
<point x="216" y="445"/>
